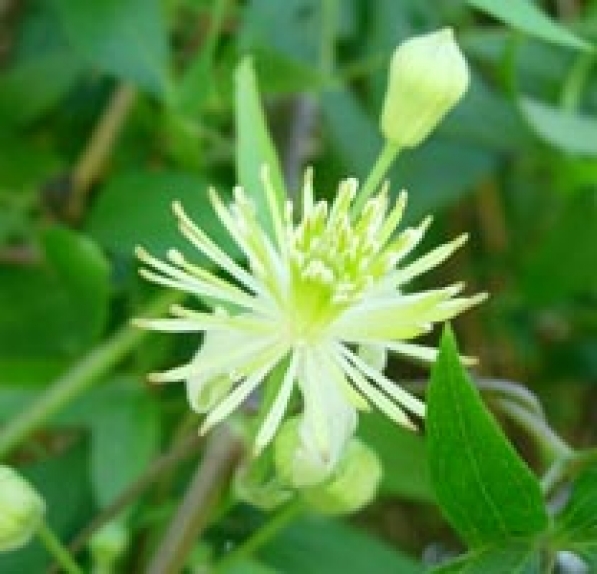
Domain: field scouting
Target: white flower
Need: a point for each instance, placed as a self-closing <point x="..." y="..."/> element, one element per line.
<point x="318" y="298"/>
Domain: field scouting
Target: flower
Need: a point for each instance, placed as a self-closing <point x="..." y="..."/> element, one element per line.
<point x="428" y="76"/>
<point x="318" y="299"/>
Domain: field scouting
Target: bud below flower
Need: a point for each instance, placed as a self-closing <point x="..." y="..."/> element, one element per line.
<point x="354" y="485"/>
<point x="108" y="544"/>
<point x="21" y="510"/>
<point x="428" y="75"/>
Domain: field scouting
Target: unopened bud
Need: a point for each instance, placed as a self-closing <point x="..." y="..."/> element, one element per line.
<point x="428" y="75"/>
<point x="353" y="486"/>
<point x="21" y="510"/>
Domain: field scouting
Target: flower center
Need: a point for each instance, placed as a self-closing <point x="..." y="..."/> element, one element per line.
<point x="333" y="260"/>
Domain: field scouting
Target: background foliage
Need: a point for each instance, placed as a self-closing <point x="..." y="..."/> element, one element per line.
<point x="111" y="109"/>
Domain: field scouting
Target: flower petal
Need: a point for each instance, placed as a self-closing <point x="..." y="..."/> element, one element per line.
<point x="327" y="423"/>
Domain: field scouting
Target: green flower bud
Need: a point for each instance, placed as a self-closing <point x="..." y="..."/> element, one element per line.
<point x="21" y="510"/>
<point x="428" y="75"/>
<point x="353" y="486"/>
<point x="108" y="544"/>
<point x="294" y="467"/>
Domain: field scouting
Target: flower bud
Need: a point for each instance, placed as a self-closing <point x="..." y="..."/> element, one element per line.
<point x="21" y="510"/>
<point x="293" y="464"/>
<point x="108" y="544"/>
<point x="428" y="75"/>
<point x="353" y="486"/>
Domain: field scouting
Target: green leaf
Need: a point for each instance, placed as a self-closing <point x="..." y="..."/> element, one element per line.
<point x="135" y="208"/>
<point x="254" y="147"/>
<point x="568" y="131"/>
<point x="54" y="311"/>
<point x="513" y="558"/>
<point x="576" y="524"/>
<point x="483" y="487"/>
<point x="126" y="38"/>
<point x="125" y="438"/>
<point x="319" y="546"/>
<point x="524" y="16"/>
<point x="85" y="275"/>
<point x="561" y="264"/>
<point x="394" y="445"/>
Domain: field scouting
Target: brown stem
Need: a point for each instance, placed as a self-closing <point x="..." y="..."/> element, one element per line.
<point x="92" y="160"/>
<point x="221" y="456"/>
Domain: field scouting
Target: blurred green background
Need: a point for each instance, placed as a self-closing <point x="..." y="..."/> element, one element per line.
<point x="110" y="109"/>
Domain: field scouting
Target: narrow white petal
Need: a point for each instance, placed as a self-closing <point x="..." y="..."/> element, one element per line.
<point x="210" y="249"/>
<point x="173" y="325"/>
<point x="276" y="412"/>
<point x="328" y="420"/>
<point x="393" y="218"/>
<point x="233" y="356"/>
<point x="274" y="209"/>
<point x="401" y="396"/>
<point x="383" y="403"/>
<point x="238" y="396"/>
<point x="428" y="261"/>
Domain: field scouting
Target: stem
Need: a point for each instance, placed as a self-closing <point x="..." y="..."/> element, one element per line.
<point x="538" y="428"/>
<point x="382" y="164"/>
<point x="57" y="550"/>
<point x="79" y="378"/>
<point x="329" y="24"/>
<point x="221" y="456"/>
<point x="93" y="158"/>
<point x="262" y="536"/>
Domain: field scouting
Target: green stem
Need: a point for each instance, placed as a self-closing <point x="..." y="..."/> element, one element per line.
<point x="538" y="428"/>
<point x="79" y="378"/>
<point x="262" y="536"/>
<point x="57" y="550"/>
<point x="385" y="159"/>
<point x="329" y="24"/>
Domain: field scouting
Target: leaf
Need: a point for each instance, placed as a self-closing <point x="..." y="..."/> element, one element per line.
<point x="54" y="311"/>
<point x="523" y="15"/>
<point x="254" y="147"/>
<point x="85" y="275"/>
<point x="135" y="208"/>
<point x="125" y="437"/>
<point x="571" y="132"/>
<point x="513" y="559"/>
<point x="576" y="525"/>
<point x="319" y="546"/>
<point x="403" y="457"/>
<point x="485" y="490"/>
<point x="561" y="265"/>
<point x="126" y="38"/>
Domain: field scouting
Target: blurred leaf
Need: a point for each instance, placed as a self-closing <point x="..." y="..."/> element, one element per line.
<point x="576" y="524"/>
<point x="319" y="546"/>
<point x="513" y="558"/>
<point x="562" y="262"/>
<point x="85" y="276"/>
<point x="291" y="28"/>
<point x="63" y="482"/>
<point x="20" y="104"/>
<point x="125" y="438"/>
<point x="127" y="38"/>
<point x="523" y="15"/>
<point x="571" y="132"/>
<point x="135" y="208"/>
<point x="485" y="490"/>
<point x="52" y="312"/>
<point x="248" y="566"/>
<point x="403" y="457"/>
<point x="254" y="147"/>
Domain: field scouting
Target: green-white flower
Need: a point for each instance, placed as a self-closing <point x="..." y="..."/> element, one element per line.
<point x="320" y="297"/>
